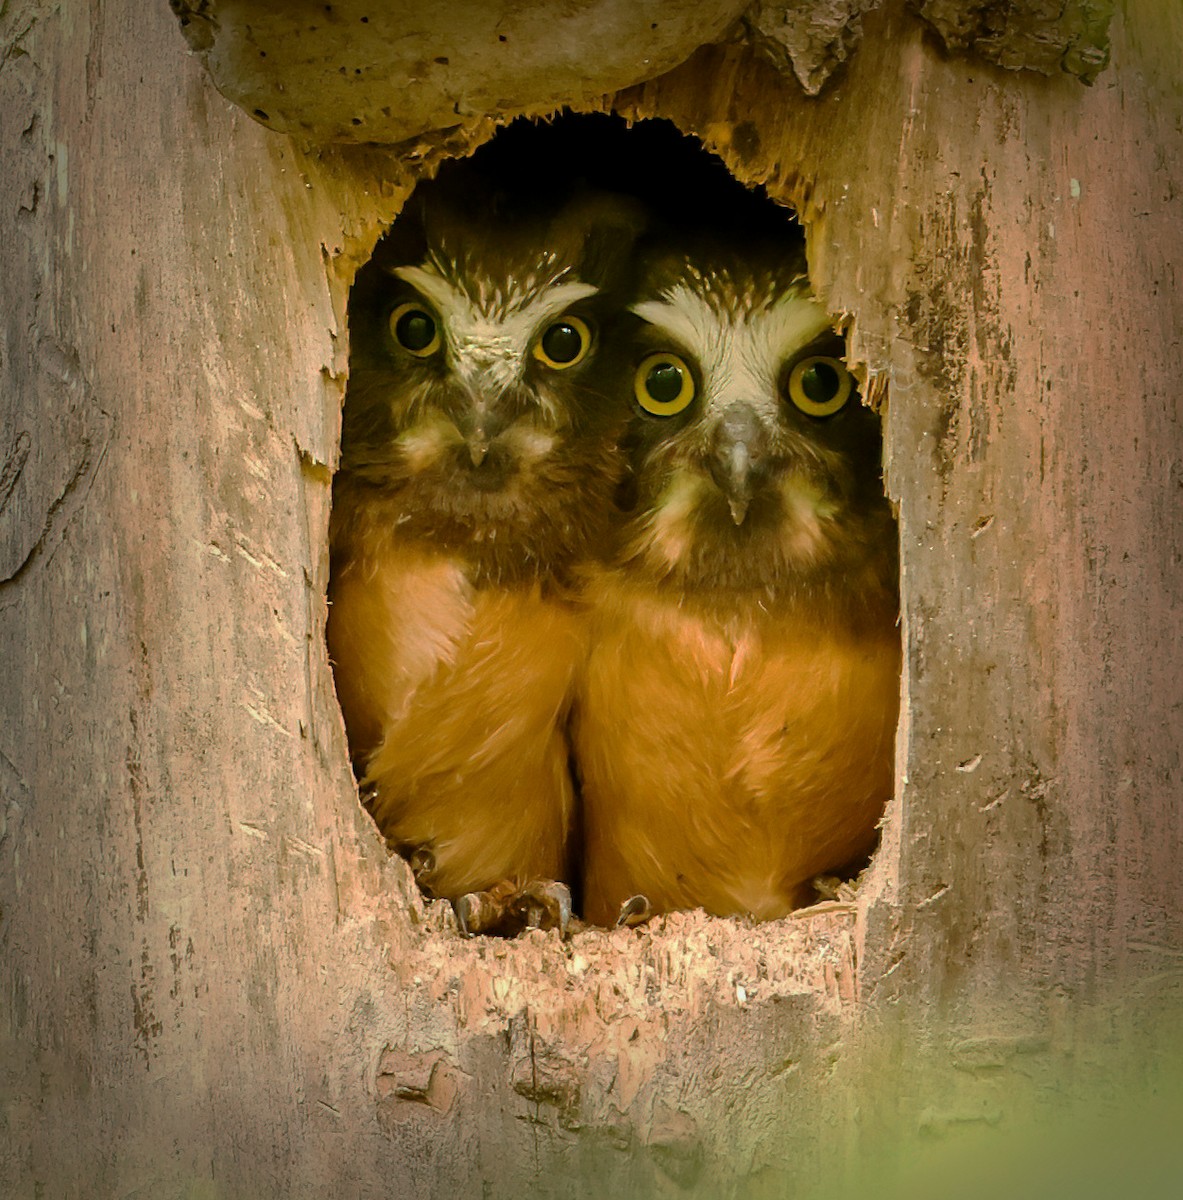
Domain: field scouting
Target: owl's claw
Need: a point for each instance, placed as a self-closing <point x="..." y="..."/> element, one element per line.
<point x="422" y="862"/>
<point x="545" y="904"/>
<point x="636" y="910"/>
<point x="507" y="910"/>
<point x="467" y="914"/>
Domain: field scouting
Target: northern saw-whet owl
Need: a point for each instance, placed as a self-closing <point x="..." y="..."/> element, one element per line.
<point x="736" y="717"/>
<point x="478" y="459"/>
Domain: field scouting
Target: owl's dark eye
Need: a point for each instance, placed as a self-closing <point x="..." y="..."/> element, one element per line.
<point x="663" y="385"/>
<point x="819" y="386"/>
<point x="415" y="330"/>
<point x="564" y="343"/>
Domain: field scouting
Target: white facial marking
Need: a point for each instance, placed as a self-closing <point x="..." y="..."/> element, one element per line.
<point x="806" y="538"/>
<point x="425" y="443"/>
<point x="489" y="335"/>
<point x="530" y="444"/>
<point x="670" y="532"/>
<point x="740" y="356"/>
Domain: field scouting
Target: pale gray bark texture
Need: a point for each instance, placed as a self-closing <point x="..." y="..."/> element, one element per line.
<point x="214" y="982"/>
<point x="364" y="72"/>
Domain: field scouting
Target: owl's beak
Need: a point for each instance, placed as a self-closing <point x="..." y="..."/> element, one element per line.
<point x="479" y="427"/>
<point x="478" y="447"/>
<point x="736" y="472"/>
<point x="738" y="460"/>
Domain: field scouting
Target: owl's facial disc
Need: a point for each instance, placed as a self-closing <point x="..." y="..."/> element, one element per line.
<point x="493" y="328"/>
<point x="738" y="342"/>
<point x="500" y="342"/>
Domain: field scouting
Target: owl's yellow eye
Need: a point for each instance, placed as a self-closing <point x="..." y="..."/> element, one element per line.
<point x="415" y="330"/>
<point x="564" y="343"/>
<point x="664" y="385"/>
<point x="819" y="386"/>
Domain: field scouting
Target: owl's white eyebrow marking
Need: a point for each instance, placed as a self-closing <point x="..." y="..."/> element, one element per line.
<point x="740" y="348"/>
<point x="489" y="334"/>
<point x="562" y="296"/>
<point x="787" y="322"/>
<point x="520" y="298"/>
<point x="441" y="292"/>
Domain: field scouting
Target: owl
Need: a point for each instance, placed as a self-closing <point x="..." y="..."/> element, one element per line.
<point x="736" y="715"/>
<point x="478" y="459"/>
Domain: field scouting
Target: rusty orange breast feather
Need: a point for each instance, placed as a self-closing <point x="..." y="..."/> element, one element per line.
<point x="455" y="699"/>
<point x="728" y="754"/>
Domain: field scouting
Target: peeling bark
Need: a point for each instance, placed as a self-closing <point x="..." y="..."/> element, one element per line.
<point x="806" y="38"/>
<point x="1048" y="36"/>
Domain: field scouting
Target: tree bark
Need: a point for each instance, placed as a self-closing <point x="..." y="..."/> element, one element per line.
<point x="217" y="983"/>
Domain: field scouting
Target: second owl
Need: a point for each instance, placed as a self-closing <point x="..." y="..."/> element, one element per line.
<point x="736" y="719"/>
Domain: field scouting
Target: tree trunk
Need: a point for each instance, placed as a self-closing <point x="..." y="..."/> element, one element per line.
<point x="216" y="982"/>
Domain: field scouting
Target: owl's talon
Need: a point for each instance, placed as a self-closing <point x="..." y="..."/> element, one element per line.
<point x="507" y="910"/>
<point x="422" y="862"/>
<point x="545" y="904"/>
<point x="467" y="910"/>
<point x="636" y="910"/>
